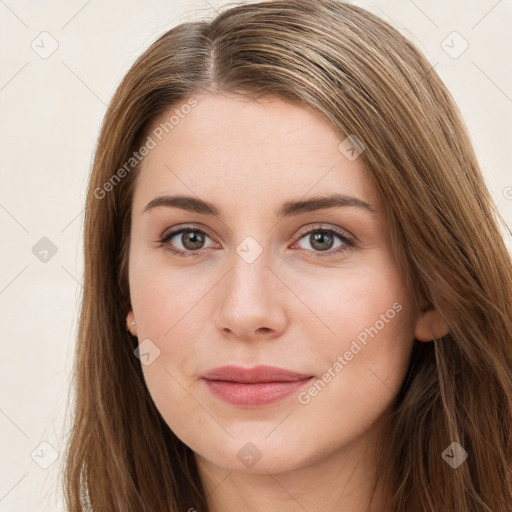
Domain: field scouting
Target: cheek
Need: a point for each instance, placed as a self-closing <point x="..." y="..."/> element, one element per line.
<point x="170" y="307"/>
<point x="353" y="302"/>
<point x="366" y="359"/>
<point x="169" y="312"/>
<point x="364" y="339"/>
<point x="165" y="300"/>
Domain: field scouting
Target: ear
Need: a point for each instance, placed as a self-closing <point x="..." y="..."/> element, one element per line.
<point x="130" y="323"/>
<point x="430" y="326"/>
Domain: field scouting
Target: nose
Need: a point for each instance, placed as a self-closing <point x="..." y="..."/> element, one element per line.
<point x="251" y="301"/>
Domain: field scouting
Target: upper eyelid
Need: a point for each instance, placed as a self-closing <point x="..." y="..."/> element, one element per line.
<point x="176" y="229"/>
<point x="322" y="226"/>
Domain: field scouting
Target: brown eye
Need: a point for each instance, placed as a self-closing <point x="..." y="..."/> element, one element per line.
<point x="184" y="241"/>
<point x="192" y="240"/>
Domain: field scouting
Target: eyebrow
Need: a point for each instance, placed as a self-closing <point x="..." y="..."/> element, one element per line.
<point x="287" y="209"/>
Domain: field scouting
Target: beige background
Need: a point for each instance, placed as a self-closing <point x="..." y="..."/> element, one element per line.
<point x="51" y="109"/>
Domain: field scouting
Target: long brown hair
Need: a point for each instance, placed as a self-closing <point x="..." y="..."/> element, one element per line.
<point x="368" y="81"/>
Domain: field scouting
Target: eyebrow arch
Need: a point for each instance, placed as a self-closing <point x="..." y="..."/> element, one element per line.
<point x="287" y="209"/>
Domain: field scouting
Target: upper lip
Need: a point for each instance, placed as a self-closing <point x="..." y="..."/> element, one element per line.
<point x="254" y="375"/>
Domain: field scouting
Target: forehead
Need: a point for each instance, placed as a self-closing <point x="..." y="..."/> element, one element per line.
<point x="234" y="149"/>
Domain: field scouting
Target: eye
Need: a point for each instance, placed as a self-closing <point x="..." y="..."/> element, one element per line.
<point x="190" y="238"/>
<point x="322" y="240"/>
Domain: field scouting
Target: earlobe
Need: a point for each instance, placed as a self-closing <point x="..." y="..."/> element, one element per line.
<point x="430" y="326"/>
<point x="131" y="325"/>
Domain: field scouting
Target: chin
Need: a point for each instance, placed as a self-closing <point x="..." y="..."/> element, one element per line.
<point x="257" y="457"/>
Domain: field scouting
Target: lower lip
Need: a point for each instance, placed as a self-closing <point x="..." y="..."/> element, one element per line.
<point x="255" y="394"/>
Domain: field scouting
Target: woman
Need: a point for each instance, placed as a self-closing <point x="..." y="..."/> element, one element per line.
<point x="296" y="295"/>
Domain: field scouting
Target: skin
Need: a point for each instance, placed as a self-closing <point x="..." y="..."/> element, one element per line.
<point x="287" y="308"/>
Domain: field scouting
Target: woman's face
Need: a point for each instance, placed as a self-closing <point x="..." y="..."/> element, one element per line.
<point x="271" y="274"/>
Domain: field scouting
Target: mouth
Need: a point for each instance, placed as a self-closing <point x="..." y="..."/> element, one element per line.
<point x="254" y="387"/>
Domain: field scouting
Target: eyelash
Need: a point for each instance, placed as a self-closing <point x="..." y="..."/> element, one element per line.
<point x="349" y="243"/>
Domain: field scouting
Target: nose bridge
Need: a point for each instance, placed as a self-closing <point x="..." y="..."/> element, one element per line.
<point x="249" y="300"/>
<point x="249" y="277"/>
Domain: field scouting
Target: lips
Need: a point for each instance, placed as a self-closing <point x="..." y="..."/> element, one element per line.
<point x="254" y="387"/>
